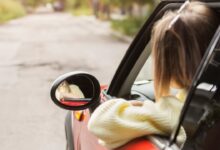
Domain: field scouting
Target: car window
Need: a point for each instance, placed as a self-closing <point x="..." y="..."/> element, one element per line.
<point x="143" y="87"/>
<point x="146" y="72"/>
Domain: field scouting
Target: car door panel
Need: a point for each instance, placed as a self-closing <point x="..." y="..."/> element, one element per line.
<point x="83" y="139"/>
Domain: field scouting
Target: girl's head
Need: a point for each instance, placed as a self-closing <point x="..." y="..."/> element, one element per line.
<point x="179" y="41"/>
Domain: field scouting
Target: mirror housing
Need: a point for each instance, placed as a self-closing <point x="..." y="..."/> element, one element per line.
<point x="75" y="91"/>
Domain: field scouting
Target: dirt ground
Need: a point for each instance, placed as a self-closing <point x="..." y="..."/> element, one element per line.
<point x="34" y="51"/>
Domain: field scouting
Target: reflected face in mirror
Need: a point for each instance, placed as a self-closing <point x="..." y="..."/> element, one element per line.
<point x="71" y="94"/>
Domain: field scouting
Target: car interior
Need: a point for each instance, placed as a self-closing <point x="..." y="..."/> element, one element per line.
<point x="202" y="115"/>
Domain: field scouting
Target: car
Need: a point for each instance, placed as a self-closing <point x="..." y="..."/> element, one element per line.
<point x="200" y="115"/>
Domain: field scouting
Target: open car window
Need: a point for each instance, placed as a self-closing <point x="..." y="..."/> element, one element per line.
<point x="146" y="72"/>
<point x="143" y="88"/>
<point x="137" y="54"/>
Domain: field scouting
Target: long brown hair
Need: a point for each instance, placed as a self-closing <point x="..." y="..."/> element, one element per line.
<point x="179" y="48"/>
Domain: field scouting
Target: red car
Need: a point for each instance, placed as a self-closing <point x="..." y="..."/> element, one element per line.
<point x="201" y="113"/>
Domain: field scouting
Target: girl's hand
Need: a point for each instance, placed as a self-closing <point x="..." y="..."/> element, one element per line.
<point x="136" y="103"/>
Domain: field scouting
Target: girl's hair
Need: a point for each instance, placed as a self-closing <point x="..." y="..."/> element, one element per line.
<point x="178" y="47"/>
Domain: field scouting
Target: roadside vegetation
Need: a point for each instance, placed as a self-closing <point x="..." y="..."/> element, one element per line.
<point x="125" y="16"/>
<point x="79" y="7"/>
<point x="128" y="26"/>
<point x="10" y="9"/>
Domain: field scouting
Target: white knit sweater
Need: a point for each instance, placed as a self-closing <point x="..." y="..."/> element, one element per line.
<point x="117" y="121"/>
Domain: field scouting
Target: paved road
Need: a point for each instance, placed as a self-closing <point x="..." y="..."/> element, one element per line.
<point x="34" y="51"/>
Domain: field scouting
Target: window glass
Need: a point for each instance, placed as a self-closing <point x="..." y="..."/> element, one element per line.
<point x="146" y="73"/>
<point x="144" y="85"/>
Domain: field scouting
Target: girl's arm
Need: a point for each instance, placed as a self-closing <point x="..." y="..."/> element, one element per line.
<point x="118" y="121"/>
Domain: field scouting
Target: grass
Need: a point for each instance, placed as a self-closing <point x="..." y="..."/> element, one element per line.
<point x="129" y="26"/>
<point x="10" y="9"/>
<point x="82" y="11"/>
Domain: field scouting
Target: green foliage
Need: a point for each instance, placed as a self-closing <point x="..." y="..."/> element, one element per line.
<point x="34" y="3"/>
<point x="70" y="4"/>
<point x="31" y="3"/>
<point x="121" y="3"/>
<point x="82" y="11"/>
<point x="49" y="1"/>
<point x="79" y="7"/>
<point x="10" y="9"/>
<point x="75" y="4"/>
<point x="129" y="26"/>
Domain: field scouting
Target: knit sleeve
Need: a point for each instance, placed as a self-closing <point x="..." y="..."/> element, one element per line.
<point x="117" y="121"/>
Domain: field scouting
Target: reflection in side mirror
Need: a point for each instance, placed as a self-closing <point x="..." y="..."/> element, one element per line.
<point x="75" y="91"/>
<point x="70" y="94"/>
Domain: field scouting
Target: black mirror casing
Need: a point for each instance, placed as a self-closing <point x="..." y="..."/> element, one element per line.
<point x="87" y="84"/>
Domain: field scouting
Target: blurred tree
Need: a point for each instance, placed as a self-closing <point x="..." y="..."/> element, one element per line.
<point x="70" y="3"/>
<point x="150" y="3"/>
<point x="10" y="9"/>
<point x="77" y="3"/>
<point x="31" y="3"/>
<point x="79" y="7"/>
<point x="106" y="7"/>
<point x="95" y="7"/>
<point x="35" y="3"/>
<point x="136" y="11"/>
<point x="124" y="5"/>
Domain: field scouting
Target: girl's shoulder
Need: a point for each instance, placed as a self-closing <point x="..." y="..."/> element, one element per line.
<point x="169" y="102"/>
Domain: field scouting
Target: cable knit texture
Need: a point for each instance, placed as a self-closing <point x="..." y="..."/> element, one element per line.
<point x="117" y="121"/>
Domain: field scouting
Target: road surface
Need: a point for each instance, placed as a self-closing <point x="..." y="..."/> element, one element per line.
<point x="34" y="51"/>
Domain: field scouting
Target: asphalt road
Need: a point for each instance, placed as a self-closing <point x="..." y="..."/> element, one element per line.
<point x="34" y="51"/>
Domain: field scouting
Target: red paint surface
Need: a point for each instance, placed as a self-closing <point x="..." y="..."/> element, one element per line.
<point x="68" y="103"/>
<point x="139" y="144"/>
<point x="104" y="87"/>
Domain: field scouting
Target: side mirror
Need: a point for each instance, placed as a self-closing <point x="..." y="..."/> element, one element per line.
<point x="75" y="91"/>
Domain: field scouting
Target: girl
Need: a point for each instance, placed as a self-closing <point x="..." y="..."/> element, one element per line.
<point x="179" y="40"/>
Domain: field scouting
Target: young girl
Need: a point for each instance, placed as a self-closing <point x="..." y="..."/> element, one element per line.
<point x="179" y="40"/>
